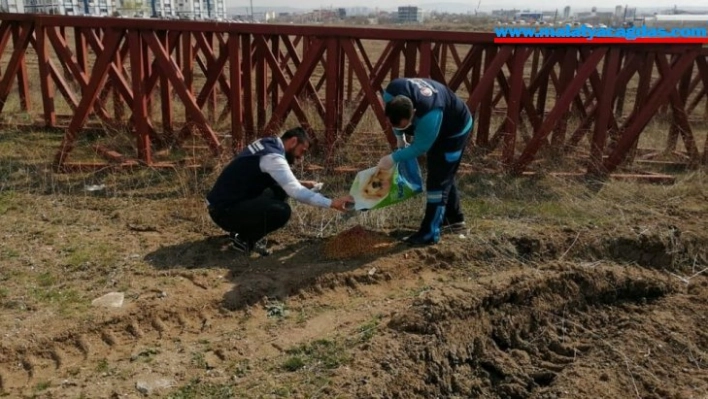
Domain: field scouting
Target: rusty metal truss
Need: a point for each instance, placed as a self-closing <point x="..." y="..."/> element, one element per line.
<point x="166" y="81"/>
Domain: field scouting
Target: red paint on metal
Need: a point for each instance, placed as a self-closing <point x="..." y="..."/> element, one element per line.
<point x="657" y="94"/>
<point x="485" y="109"/>
<point x="170" y="69"/>
<point x="514" y="109"/>
<point x="97" y="80"/>
<point x="570" y="61"/>
<point x="237" y="139"/>
<point x="425" y="59"/>
<point x="559" y="109"/>
<point x="50" y="117"/>
<point x="16" y="61"/>
<point x="678" y="109"/>
<point x="21" y="42"/>
<point x="247" y="104"/>
<point x="140" y="109"/>
<point x="604" y="111"/>
<point x="165" y="92"/>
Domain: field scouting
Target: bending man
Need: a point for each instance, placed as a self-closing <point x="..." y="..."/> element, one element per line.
<point x="249" y="198"/>
<point x="441" y="124"/>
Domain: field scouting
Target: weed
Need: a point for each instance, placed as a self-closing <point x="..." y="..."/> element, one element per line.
<point x="66" y="300"/>
<point x="319" y="354"/>
<point x="42" y="386"/>
<point x="276" y="309"/>
<point x="199" y="361"/>
<point x="197" y="389"/>
<point x="293" y="363"/>
<point x="368" y="330"/>
<point x="146" y="355"/>
<point x="242" y="368"/>
<point x="7" y="201"/>
<point x="102" y="366"/>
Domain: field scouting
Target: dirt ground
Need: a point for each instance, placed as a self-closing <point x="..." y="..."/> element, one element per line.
<point x="558" y="290"/>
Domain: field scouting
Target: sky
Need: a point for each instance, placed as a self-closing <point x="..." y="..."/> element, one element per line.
<point x="486" y="5"/>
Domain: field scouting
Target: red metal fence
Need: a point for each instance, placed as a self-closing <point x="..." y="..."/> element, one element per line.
<point x="239" y="81"/>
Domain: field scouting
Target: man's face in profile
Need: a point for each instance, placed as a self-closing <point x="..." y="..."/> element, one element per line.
<point x="295" y="154"/>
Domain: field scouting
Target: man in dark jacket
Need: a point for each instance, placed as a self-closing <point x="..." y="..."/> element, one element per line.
<point x="248" y="199"/>
<point x="441" y="124"/>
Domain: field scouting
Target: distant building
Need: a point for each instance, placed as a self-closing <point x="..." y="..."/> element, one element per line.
<point x="630" y="14"/>
<point x="355" y="11"/>
<point x="595" y="17"/>
<point x="566" y="12"/>
<point x="505" y="14"/>
<point x="529" y="16"/>
<point x="549" y="16"/>
<point x="678" y="21"/>
<point x="258" y="16"/>
<point x="163" y="9"/>
<point x="185" y="9"/>
<point x="410" y="14"/>
<point x="12" y="6"/>
<point x="200" y="9"/>
<point x="216" y="9"/>
<point x="69" y="7"/>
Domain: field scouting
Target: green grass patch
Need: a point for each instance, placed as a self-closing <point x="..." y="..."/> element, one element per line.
<point x="8" y="201"/>
<point x="198" y="389"/>
<point x="368" y="330"/>
<point x="97" y="253"/>
<point x="321" y="354"/>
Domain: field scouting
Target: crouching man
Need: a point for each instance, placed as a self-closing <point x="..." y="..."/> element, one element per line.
<point x="249" y="198"/>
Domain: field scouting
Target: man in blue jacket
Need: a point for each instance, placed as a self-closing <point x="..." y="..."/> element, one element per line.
<point x="441" y="124"/>
<point x="248" y="199"/>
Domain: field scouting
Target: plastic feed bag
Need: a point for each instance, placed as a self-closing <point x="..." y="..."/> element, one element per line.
<point x="375" y="189"/>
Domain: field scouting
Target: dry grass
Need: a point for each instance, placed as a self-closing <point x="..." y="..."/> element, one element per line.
<point x="64" y="246"/>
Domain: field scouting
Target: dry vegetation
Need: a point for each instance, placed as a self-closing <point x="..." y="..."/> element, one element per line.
<point x="559" y="288"/>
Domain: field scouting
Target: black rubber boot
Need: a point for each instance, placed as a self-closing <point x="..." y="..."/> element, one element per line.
<point x="429" y="232"/>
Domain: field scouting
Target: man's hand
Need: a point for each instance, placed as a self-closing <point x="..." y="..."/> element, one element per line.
<point x="386" y="162"/>
<point x="340" y="203"/>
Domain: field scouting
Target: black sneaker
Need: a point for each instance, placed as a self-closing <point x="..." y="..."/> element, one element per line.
<point x="239" y="244"/>
<point x="417" y="240"/>
<point x="454" y="228"/>
<point x="260" y="248"/>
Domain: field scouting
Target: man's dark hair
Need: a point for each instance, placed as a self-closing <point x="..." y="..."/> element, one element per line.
<point x="401" y="107"/>
<point x="298" y="132"/>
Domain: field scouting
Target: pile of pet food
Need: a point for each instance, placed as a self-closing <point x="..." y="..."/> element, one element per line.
<point x="356" y="242"/>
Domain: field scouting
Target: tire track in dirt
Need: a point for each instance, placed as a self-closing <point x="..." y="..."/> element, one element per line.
<point x="500" y="337"/>
<point x="171" y="326"/>
<point x="511" y="337"/>
<point x="117" y="338"/>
